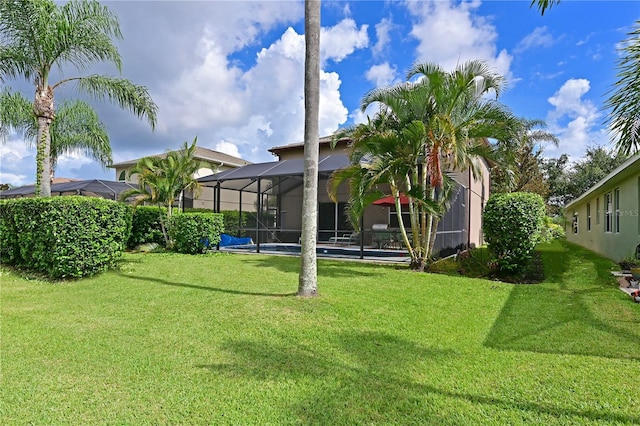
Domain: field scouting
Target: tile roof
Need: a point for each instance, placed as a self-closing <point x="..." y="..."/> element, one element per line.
<point x="201" y="154"/>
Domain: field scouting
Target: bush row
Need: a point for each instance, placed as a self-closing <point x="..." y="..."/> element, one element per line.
<point x="63" y="236"/>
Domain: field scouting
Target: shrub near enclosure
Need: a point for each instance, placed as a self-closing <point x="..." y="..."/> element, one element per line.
<point x="512" y="225"/>
<point x="193" y="233"/>
<point x="145" y="226"/>
<point x="64" y="236"/>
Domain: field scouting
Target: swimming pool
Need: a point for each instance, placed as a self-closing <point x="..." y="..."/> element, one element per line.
<point x="323" y="251"/>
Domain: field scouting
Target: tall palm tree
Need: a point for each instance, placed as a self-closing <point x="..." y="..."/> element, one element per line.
<point x="437" y="121"/>
<point x="308" y="278"/>
<point x="624" y="101"/>
<point x="163" y="179"/>
<point x="76" y="127"/>
<point x="38" y="36"/>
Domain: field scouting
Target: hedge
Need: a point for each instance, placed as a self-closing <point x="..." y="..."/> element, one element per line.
<point x="512" y="225"/>
<point x="145" y="226"/>
<point x="63" y="236"/>
<point x="232" y="222"/>
<point x="193" y="233"/>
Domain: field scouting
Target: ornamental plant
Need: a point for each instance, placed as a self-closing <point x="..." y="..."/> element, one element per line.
<point x="512" y="227"/>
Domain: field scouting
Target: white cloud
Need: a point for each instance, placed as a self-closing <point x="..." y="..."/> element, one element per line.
<point x="453" y="33"/>
<point x="17" y="163"/>
<point x="382" y="74"/>
<point x="227" y="148"/>
<point x="383" y="28"/>
<point x="341" y="40"/>
<point x="539" y="37"/>
<point x="264" y="105"/>
<point x="574" y="119"/>
<point x="360" y="117"/>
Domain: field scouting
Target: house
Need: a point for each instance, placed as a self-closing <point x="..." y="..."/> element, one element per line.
<point x="278" y="187"/>
<point x="219" y="162"/>
<point x="606" y="218"/>
<point x="68" y="186"/>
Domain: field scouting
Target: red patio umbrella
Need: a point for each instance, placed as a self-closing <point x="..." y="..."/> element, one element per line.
<point x="389" y="201"/>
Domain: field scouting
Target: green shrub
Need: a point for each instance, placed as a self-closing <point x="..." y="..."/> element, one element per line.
<point x="65" y="236"/>
<point x="9" y="248"/>
<point x="145" y="226"/>
<point x="512" y="226"/>
<point x="192" y="233"/>
<point x="233" y="223"/>
<point x="551" y="231"/>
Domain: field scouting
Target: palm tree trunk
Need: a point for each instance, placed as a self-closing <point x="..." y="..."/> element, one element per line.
<point x="43" y="109"/>
<point x="308" y="278"/>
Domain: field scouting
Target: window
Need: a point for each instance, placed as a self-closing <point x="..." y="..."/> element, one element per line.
<point x="123" y="175"/>
<point x="588" y="216"/>
<point x="393" y="218"/>
<point x="575" y="222"/>
<point x="598" y="211"/>
<point x="608" y="209"/>
<point x="616" y="201"/>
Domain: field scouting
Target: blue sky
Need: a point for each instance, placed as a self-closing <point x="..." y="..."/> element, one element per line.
<point x="231" y="73"/>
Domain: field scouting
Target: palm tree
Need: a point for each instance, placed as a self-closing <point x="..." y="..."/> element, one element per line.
<point x="162" y="180"/>
<point x="624" y="102"/>
<point x="39" y="35"/>
<point x="308" y="278"/>
<point x="543" y="5"/>
<point x="76" y="127"/>
<point x="439" y="121"/>
<point x="519" y="168"/>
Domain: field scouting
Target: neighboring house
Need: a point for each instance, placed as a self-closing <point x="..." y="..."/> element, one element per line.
<point x="219" y="162"/>
<point x="606" y="218"/>
<point x="280" y="185"/>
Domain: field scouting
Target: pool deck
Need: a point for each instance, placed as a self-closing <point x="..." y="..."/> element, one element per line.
<point x="328" y="251"/>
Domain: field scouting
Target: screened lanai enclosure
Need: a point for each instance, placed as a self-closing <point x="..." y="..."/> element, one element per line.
<point x="90" y="188"/>
<point x="268" y="201"/>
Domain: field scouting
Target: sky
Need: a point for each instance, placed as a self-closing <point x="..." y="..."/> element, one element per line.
<point x="231" y="73"/>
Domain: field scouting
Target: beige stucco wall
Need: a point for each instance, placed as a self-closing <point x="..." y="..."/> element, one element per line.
<point x="614" y="245"/>
<point x="477" y="196"/>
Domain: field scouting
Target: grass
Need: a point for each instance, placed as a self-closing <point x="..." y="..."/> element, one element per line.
<point x="221" y="339"/>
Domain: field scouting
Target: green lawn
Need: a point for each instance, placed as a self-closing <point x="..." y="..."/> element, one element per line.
<point x="221" y="339"/>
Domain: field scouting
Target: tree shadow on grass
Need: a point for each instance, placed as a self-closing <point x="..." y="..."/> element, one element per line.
<point x="370" y="380"/>
<point x="573" y="312"/>
<point x="203" y="287"/>
<point x="326" y="268"/>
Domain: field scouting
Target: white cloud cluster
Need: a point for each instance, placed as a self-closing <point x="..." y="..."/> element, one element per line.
<point x="451" y="33"/>
<point x="382" y="75"/>
<point x="574" y="119"/>
<point x="264" y="105"/>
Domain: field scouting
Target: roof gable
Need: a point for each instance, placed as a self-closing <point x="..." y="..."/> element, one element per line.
<point x="201" y="153"/>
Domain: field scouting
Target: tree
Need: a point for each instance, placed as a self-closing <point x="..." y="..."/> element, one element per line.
<point x="162" y="180"/>
<point x="624" y="102"/>
<point x="567" y="181"/>
<point x="521" y="169"/>
<point x="76" y="127"/>
<point x="543" y="5"/>
<point x="38" y="36"/>
<point x="308" y="278"/>
<point x="440" y="121"/>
